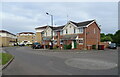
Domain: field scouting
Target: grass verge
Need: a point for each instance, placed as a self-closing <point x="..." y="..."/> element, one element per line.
<point x="5" y="57"/>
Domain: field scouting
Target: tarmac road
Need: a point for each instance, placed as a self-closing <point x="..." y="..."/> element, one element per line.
<point x="62" y="62"/>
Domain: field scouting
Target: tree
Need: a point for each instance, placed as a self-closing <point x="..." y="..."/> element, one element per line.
<point x="110" y="35"/>
<point x="116" y="37"/>
<point x="107" y="37"/>
<point x="102" y="35"/>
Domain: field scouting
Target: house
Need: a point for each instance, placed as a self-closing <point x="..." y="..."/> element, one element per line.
<point x="39" y="31"/>
<point x="7" y="38"/>
<point x="25" y="38"/>
<point x="81" y="35"/>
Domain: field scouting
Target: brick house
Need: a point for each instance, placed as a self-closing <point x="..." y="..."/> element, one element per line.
<point x="7" y="38"/>
<point x="25" y="38"/>
<point x="80" y="35"/>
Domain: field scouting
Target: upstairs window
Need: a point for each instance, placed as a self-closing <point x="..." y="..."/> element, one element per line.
<point x="61" y="32"/>
<point x="66" y="31"/>
<point x="46" y="33"/>
<point x="74" y="30"/>
<point x="80" y="30"/>
<point x="55" y="33"/>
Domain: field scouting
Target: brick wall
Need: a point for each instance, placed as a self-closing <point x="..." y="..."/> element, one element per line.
<point x="92" y="34"/>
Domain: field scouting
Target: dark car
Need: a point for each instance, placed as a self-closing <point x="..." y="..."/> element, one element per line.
<point x="36" y="45"/>
<point x="113" y="46"/>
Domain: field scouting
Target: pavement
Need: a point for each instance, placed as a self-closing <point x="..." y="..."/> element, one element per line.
<point x="1" y="50"/>
<point x="62" y="62"/>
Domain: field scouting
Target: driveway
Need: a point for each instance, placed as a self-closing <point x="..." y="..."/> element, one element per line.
<point x="61" y="62"/>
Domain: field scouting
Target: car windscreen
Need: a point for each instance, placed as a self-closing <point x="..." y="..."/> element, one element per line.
<point x="113" y="44"/>
<point x="37" y="43"/>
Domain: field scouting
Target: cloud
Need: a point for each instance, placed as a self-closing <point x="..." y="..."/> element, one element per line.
<point x="25" y="16"/>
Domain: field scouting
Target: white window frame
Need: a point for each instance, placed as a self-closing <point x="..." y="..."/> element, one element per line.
<point x="80" y="30"/>
<point x="61" y="32"/>
<point x="74" y="30"/>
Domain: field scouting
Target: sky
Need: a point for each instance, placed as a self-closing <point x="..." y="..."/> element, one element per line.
<point x="18" y="17"/>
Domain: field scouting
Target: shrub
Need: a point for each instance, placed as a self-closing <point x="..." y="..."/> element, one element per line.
<point x="93" y="46"/>
<point x="69" y="46"/>
<point x="65" y="46"/>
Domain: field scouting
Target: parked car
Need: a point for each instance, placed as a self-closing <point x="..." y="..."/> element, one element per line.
<point x="113" y="46"/>
<point x="36" y="45"/>
<point x="21" y="44"/>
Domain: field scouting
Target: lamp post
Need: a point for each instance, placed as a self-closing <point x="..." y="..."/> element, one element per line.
<point x="51" y="25"/>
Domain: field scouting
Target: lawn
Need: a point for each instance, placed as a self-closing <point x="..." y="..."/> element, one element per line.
<point x="5" y="57"/>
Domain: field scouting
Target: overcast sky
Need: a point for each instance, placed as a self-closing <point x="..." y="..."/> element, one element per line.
<point x="26" y="16"/>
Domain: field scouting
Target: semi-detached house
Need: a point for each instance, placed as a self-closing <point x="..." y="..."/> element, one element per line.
<point x="80" y="35"/>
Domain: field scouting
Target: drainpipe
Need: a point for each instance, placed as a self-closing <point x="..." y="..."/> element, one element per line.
<point x="85" y="39"/>
<point x="97" y="39"/>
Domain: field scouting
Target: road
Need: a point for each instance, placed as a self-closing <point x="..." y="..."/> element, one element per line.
<point x="66" y="62"/>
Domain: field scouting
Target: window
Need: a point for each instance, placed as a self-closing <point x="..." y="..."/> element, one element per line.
<point x="66" y="31"/>
<point x="94" y="30"/>
<point x="46" y="33"/>
<point x="80" y="30"/>
<point x="55" y="33"/>
<point x="74" y="30"/>
<point x="61" y="32"/>
<point x="61" y="41"/>
<point x="80" y="41"/>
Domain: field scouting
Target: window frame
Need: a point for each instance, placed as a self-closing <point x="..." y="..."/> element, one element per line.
<point x="80" y="30"/>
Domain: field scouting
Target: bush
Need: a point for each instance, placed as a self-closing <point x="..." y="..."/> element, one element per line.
<point x="65" y="46"/>
<point x="68" y="46"/>
<point x="93" y="46"/>
<point x="55" y="47"/>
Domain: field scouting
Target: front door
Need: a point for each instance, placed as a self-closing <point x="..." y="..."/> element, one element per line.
<point x="75" y="44"/>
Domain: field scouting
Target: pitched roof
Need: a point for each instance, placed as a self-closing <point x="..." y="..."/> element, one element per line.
<point x="4" y="31"/>
<point x="43" y="27"/>
<point x="85" y="23"/>
<point x="26" y="33"/>
<point x="57" y="28"/>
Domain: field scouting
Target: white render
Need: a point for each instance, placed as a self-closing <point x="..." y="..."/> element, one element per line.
<point x="26" y="34"/>
<point x="39" y="30"/>
<point x="2" y="34"/>
<point x="70" y="29"/>
<point x="48" y="31"/>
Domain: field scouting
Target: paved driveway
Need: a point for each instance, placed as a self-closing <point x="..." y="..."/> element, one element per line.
<point x="66" y="62"/>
